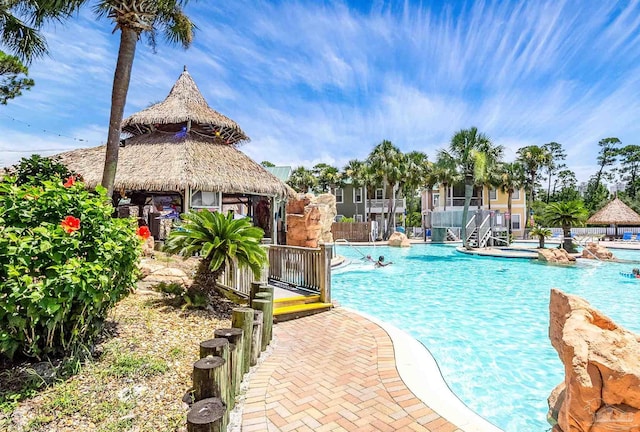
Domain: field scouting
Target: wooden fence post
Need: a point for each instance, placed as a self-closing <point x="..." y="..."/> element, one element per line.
<point x="242" y="318"/>
<point x="207" y="415"/>
<point x="267" y="326"/>
<point x="325" y="274"/>
<point x="219" y="347"/>
<point x="255" y="287"/>
<point x="262" y="305"/>
<point x="256" y="337"/>
<point x="209" y="378"/>
<point x="234" y="336"/>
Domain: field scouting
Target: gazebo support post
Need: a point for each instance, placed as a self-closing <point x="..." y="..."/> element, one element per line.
<point x="187" y="199"/>
<point x="274" y="222"/>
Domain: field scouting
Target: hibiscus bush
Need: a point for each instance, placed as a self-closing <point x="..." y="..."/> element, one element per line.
<point x="64" y="262"/>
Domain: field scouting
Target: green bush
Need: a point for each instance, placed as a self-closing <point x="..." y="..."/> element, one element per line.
<point x="64" y="262"/>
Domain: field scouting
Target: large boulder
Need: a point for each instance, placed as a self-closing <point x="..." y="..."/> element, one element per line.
<point x="555" y="256"/>
<point x="398" y="239"/>
<point x="601" y="388"/>
<point x="309" y="220"/>
<point x="595" y="251"/>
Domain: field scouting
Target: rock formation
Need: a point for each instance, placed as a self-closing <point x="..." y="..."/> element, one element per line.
<point x="555" y="256"/>
<point x="398" y="239"/>
<point x="601" y="388"/>
<point x="309" y="220"/>
<point x="595" y="251"/>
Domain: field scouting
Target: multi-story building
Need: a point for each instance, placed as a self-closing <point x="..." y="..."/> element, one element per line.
<point x="354" y="202"/>
<point x="443" y="208"/>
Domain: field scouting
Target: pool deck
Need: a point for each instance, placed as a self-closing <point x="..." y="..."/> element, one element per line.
<point x="342" y="371"/>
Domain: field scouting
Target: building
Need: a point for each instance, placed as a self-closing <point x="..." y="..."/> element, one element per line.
<point x="354" y="202"/>
<point x="443" y="208"/>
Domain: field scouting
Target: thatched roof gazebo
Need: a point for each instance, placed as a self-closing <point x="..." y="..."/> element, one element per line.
<point x="615" y="213"/>
<point x="184" y="147"/>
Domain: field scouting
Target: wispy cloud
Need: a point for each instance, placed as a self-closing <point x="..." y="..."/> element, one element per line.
<point x="325" y="81"/>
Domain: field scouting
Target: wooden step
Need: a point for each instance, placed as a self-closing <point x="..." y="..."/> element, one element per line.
<point x="298" y="311"/>
<point x="298" y="300"/>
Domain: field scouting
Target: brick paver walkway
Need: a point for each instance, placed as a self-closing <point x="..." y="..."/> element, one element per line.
<point x="334" y="371"/>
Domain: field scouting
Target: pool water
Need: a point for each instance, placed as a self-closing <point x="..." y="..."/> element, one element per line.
<point x="485" y="320"/>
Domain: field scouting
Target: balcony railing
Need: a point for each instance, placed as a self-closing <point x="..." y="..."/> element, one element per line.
<point x="377" y="204"/>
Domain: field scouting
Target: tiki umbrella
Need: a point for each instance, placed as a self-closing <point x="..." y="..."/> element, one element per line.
<point x="615" y="213"/>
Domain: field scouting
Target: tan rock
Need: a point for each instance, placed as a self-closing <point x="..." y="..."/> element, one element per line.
<point x="555" y="256"/>
<point x="311" y="223"/>
<point x="398" y="239"/>
<point x="595" y="251"/>
<point x="148" y="247"/>
<point x="602" y="371"/>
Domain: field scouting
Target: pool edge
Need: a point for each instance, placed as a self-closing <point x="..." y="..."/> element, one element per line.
<point x="419" y="371"/>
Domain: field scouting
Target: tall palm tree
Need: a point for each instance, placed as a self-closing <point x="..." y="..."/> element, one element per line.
<point x="133" y="18"/>
<point x="302" y="179"/>
<point x="533" y="158"/>
<point x="445" y="172"/>
<point x="470" y="149"/>
<point x="512" y="178"/>
<point x="489" y="175"/>
<point x="353" y="171"/>
<point x="219" y="239"/>
<point x="327" y="176"/>
<point x="388" y="162"/>
<point x="566" y="215"/>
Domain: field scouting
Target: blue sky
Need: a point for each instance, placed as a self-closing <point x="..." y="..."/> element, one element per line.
<point x="313" y="81"/>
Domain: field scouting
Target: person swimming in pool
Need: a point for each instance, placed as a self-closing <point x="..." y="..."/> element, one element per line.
<point x="636" y="272"/>
<point x="368" y="258"/>
<point x="381" y="262"/>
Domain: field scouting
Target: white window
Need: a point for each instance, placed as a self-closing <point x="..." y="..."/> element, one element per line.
<point x="379" y="193"/>
<point x="339" y="193"/>
<point x="515" y="195"/>
<point x="493" y="194"/>
<point x="515" y="221"/>
<point x="359" y="218"/>
<point x="436" y="200"/>
<point x="205" y="199"/>
<point x="357" y="195"/>
<point x="339" y="217"/>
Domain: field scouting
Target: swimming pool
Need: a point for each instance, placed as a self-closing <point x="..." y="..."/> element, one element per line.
<point x="484" y="319"/>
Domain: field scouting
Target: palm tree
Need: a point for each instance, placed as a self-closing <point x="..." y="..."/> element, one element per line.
<point x="512" y="178"/>
<point x="302" y="179"/>
<point x="353" y="171"/>
<point x="219" y="240"/>
<point x="387" y="162"/>
<point x="489" y="175"/>
<point x="470" y="149"/>
<point x="533" y="158"/>
<point x="328" y="177"/>
<point x="133" y="18"/>
<point x="445" y="172"/>
<point x="541" y="233"/>
<point x="566" y="215"/>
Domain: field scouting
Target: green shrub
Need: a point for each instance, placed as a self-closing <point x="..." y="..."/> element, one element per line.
<point x="188" y="297"/>
<point x="64" y="262"/>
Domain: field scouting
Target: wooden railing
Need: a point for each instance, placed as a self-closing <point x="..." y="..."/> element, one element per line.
<point x="304" y="268"/>
<point x="352" y="231"/>
<point x="239" y="279"/>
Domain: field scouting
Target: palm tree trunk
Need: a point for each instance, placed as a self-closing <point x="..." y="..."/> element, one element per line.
<point x="509" y="223"/>
<point x="468" y="192"/>
<point x="121" y="79"/>
<point x="391" y="217"/>
<point x="446" y="191"/>
<point x="566" y="233"/>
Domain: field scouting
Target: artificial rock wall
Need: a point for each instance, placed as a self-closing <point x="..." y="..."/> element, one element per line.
<point x="309" y="219"/>
<point x="601" y="388"/>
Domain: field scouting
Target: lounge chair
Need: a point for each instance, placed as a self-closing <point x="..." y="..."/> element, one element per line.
<point x="637" y="237"/>
<point x="626" y="236"/>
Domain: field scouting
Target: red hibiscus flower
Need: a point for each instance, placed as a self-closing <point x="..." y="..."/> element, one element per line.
<point x="143" y="232"/>
<point x="70" y="182"/>
<point x="70" y="224"/>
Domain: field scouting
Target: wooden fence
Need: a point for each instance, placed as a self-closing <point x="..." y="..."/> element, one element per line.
<point x="352" y="231"/>
<point x="239" y="279"/>
<point x="305" y="268"/>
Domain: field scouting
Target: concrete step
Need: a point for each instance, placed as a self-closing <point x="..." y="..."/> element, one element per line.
<point x="298" y="311"/>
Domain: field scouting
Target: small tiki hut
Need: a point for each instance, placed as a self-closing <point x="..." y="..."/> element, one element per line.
<point x="615" y="213"/>
<point x="180" y="154"/>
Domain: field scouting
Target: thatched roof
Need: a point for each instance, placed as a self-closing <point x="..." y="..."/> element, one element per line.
<point x="162" y="162"/>
<point x="615" y="212"/>
<point x="185" y="104"/>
